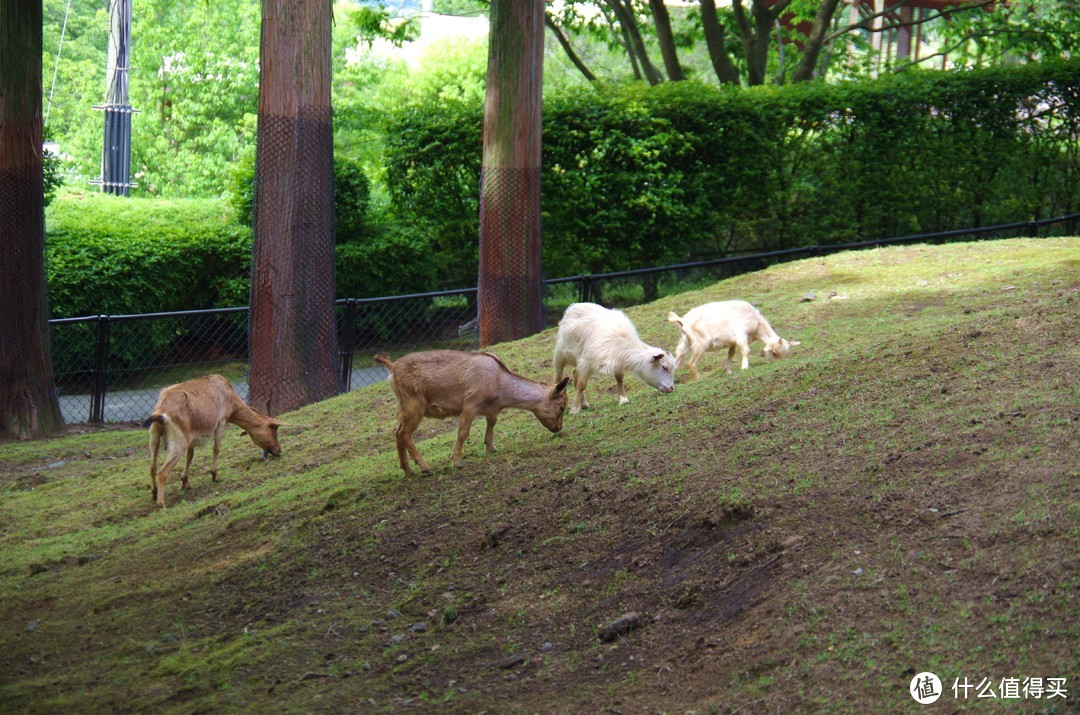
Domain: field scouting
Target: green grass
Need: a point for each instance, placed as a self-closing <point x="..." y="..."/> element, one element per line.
<point x="899" y="495"/>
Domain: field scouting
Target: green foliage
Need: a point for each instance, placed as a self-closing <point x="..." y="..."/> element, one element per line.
<point x="352" y="194"/>
<point x="388" y="263"/>
<point x="636" y="176"/>
<point x="114" y="256"/>
<point x="110" y="255"/>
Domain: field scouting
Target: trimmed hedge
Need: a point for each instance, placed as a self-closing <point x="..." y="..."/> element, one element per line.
<point x="113" y="255"/>
<point x="640" y="176"/>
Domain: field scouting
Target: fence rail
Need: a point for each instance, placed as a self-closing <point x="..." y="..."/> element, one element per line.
<point x="109" y="368"/>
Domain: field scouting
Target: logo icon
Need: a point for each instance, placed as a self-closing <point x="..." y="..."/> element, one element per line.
<point x="925" y="688"/>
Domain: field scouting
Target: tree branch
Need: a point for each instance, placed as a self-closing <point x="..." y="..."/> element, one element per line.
<point x="564" y="41"/>
<point x="865" y="23"/>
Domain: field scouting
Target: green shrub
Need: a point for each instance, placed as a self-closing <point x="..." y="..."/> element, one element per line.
<point x="352" y="194"/>
<point x="640" y="176"/>
<point x="113" y="255"/>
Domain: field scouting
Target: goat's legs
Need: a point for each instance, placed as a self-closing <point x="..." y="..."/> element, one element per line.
<point x="170" y="461"/>
<point x="699" y="351"/>
<point x="623" y="399"/>
<point x="155" y="443"/>
<point x="406" y="447"/>
<point x="744" y="350"/>
<point x="489" y="435"/>
<point x="464" y="425"/>
<point x="184" y="483"/>
<point x="730" y="355"/>
<point x="217" y="446"/>
<point x="581" y="380"/>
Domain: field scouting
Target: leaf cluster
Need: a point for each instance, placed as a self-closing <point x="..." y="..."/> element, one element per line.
<point x="638" y="176"/>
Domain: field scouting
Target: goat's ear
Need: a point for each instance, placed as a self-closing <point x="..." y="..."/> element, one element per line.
<point x="561" y="386"/>
<point x="658" y="358"/>
<point x="794" y="342"/>
<point x="277" y="423"/>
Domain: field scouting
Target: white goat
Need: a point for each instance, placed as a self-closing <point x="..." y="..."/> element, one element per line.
<point x="188" y="414"/>
<point x="731" y="324"/>
<point x="466" y="385"/>
<point x="597" y="341"/>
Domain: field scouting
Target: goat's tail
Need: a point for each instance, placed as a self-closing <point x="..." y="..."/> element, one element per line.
<point x="674" y="318"/>
<point x="385" y="360"/>
<point x="160" y="419"/>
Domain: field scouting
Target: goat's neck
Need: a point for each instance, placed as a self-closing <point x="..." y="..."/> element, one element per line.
<point x="246" y="418"/>
<point x="517" y="391"/>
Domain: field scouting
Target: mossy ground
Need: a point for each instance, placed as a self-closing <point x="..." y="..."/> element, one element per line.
<point x="900" y="495"/>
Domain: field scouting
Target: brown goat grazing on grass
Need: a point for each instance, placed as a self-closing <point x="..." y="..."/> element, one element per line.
<point x="188" y="414"/>
<point x="466" y="385"/>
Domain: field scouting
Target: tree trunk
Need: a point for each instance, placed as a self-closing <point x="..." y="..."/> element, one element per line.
<point x="293" y="326"/>
<point x="725" y="69"/>
<point x="510" y="286"/>
<point x="624" y="13"/>
<point x="28" y="402"/>
<point x="815" y="42"/>
<point x="662" y="23"/>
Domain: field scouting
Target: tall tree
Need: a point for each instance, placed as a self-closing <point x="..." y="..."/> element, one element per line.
<point x="510" y="288"/>
<point x="293" y="327"/>
<point x="28" y="403"/>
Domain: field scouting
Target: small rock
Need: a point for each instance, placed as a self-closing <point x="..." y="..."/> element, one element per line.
<point x="31" y="626"/>
<point x="392" y="614"/>
<point x="396" y="639"/>
<point x="511" y="662"/>
<point x="420" y="627"/>
<point x="56" y="465"/>
<point x="620" y="626"/>
<point x="807" y="298"/>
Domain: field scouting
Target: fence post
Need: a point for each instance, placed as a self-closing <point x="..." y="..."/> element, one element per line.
<point x="1033" y="229"/>
<point x="101" y="356"/>
<point x="347" y="340"/>
<point x="586" y="289"/>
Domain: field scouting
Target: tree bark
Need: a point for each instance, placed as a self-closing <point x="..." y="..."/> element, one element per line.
<point x="724" y="68"/>
<point x="625" y="15"/>
<point x="815" y="42"/>
<point x="293" y="327"/>
<point x="28" y="403"/>
<point x="662" y="23"/>
<point x="510" y="288"/>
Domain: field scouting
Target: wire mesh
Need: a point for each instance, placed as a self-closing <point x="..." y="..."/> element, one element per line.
<point x="111" y="368"/>
<point x="511" y="286"/>
<point x="292" y="287"/>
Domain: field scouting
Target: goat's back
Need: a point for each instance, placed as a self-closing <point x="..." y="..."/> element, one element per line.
<point x="197" y="406"/>
<point x="727" y="319"/>
<point x="446" y="378"/>
<point x="593" y="331"/>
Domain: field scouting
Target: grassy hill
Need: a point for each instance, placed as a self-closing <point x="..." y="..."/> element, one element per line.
<point x="899" y="496"/>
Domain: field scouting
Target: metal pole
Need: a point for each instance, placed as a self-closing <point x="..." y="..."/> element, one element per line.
<point x="97" y="399"/>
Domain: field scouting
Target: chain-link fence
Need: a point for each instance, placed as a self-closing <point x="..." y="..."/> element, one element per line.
<point x="110" y="368"/>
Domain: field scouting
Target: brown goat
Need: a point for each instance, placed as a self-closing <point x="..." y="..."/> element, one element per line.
<point x="466" y="385"/>
<point x="188" y="414"/>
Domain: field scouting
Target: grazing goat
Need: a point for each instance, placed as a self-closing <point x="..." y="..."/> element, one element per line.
<point x="597" y="341"/>
<point x="466" y="385"/>
<point x="188" y="414"/>
<point x="731" y="324"/>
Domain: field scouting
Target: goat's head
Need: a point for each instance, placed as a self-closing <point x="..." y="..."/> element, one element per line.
<point x="265" y="435"/>
<point x="779" y="350"/>
<point x="661" y="373"/>
<point x="550" y="411"/>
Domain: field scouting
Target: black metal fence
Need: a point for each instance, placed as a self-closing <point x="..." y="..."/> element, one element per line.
<point x="109" y="368"/>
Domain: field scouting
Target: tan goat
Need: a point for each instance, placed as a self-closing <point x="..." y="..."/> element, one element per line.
<point x="188" y="414"/>
<point x="466" y="385"/>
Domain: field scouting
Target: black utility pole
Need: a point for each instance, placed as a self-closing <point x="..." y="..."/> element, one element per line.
<point x="116" y="147"/>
